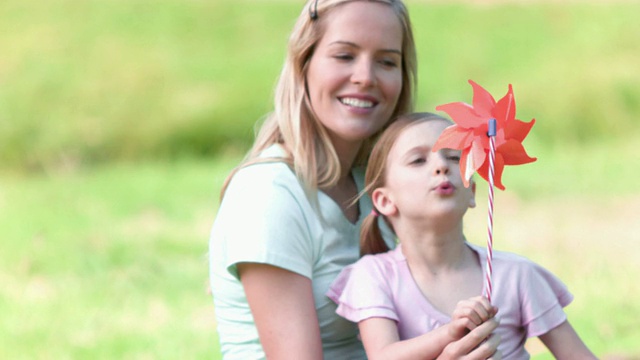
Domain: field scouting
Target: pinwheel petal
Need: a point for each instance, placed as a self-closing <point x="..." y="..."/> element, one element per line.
<point x="483" y="101"/>
<point x="514" y="153"/>
<point x="466" y="167"/>
<point x="478" y="153"/>
<point x="499" y="168"/>
<point x="518" y="130"/>
<point x="480" y="135"/>
<point x="483" y="171"/>
<point x="462" y="114"/>
<point x="505" y="109"/>
<point x="471" y="159"/>
<point x="453" y="137"/>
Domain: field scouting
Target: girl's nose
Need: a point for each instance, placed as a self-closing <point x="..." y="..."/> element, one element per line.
<point x="441" y="165"/>
<point x="442" y="171"/>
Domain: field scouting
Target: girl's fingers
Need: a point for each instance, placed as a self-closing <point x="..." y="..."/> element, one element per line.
<point x="477" y="344"/>
<point x="477" y="309"/>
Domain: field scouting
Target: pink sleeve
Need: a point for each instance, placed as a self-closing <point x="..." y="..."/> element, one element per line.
<point x="361" y="292"/>
<point x="543" y="298"/>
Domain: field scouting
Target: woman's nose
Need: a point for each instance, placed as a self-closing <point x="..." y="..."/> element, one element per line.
<point x="364" y="73"/>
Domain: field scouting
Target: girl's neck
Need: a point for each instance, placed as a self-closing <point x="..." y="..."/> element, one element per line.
<point x="436" y="251"/>
<point x="443" y="267"/>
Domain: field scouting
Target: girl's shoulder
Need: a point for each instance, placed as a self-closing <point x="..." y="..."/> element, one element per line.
<point x="384" y="263"/>
<point x="369" y="271"/>
<point x="502" y="256"/>
<point x="511" y="264"/>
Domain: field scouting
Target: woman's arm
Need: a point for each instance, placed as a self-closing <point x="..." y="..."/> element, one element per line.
<point x="381" y="341"/>
<point x="565" y="344"/>
<point x="283" y="309"/>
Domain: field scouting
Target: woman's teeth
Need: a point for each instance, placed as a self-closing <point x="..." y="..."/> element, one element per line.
<point x="357" y="102"/>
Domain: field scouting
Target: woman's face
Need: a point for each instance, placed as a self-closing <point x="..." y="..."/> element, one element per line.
<point x="355" y="74"/>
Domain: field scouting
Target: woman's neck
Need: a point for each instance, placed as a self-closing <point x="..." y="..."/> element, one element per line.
<point x="347" y="152"/>
<point x="343" y="194"/>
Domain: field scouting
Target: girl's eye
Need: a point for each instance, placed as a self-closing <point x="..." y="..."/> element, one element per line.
<point x="455" y="158"/>
<point x="418" y="161"/>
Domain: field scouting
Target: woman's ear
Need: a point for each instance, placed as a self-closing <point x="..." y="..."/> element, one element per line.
<point x="382" y="202"/>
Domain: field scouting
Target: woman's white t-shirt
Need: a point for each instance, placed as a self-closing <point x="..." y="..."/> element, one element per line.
<point x="266" y="217"/>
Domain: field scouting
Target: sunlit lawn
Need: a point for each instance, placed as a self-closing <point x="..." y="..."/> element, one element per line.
<point x="110" y="262"/>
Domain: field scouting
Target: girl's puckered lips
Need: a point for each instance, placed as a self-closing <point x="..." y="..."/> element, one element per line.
<point x="445" y="188"/>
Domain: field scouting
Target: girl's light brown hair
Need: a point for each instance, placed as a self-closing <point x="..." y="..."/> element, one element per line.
<point x="371" y="240"/>
<point x="308" y="149"/>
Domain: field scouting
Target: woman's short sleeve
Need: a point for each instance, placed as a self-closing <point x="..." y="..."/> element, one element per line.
<point x="262" y="220"/>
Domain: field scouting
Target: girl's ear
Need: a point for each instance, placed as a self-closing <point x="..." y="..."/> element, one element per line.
<point x="383" y="202"/>
<point x="472" y="200"/>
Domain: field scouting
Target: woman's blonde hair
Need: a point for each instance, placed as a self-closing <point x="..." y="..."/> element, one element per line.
<point x="371" y="240"/>
<point x="292" y="124"/>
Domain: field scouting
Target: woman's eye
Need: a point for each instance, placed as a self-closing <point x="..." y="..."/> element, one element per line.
<point x="343" y="57"/>
<point x="388" y="63"/>
<point x="455" y="158"/>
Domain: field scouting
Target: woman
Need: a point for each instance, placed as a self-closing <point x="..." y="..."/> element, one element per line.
<point x="286" y="225"/>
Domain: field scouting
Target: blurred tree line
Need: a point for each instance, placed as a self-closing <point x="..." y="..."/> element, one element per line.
<point x="93" y="81"/>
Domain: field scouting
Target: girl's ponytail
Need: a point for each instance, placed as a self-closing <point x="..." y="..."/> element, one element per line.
<point x="371" y="240"/>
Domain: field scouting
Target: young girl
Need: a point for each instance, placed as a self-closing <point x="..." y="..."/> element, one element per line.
<point x="410" y="301"/>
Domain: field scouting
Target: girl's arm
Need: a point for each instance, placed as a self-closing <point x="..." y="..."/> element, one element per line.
<point x="283" y="309"/>
<point x="381" y="341"/>
<point x="565" y="344"/>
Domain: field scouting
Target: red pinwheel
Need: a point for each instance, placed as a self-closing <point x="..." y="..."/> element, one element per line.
<point x="469" y="134"/>
<point x="490" y="137"/>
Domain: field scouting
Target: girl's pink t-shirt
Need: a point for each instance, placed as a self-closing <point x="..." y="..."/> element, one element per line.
<point x="530" y="299"/>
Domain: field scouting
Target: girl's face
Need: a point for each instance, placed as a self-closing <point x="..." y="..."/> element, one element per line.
<point x="421" y="183"/>
<point x="354" y="77"/>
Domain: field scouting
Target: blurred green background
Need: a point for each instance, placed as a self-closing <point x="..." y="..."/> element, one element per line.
<point x="120" y="119"/>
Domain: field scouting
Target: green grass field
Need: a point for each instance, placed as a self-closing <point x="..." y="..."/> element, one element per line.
<point x="120" y="119"/>
<point x="111" y="263"/>
<point x="108" y="264"/>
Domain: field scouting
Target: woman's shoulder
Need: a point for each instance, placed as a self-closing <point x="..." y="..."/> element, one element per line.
<point x="269" y="170"/>
<point x="264" y="172"/>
